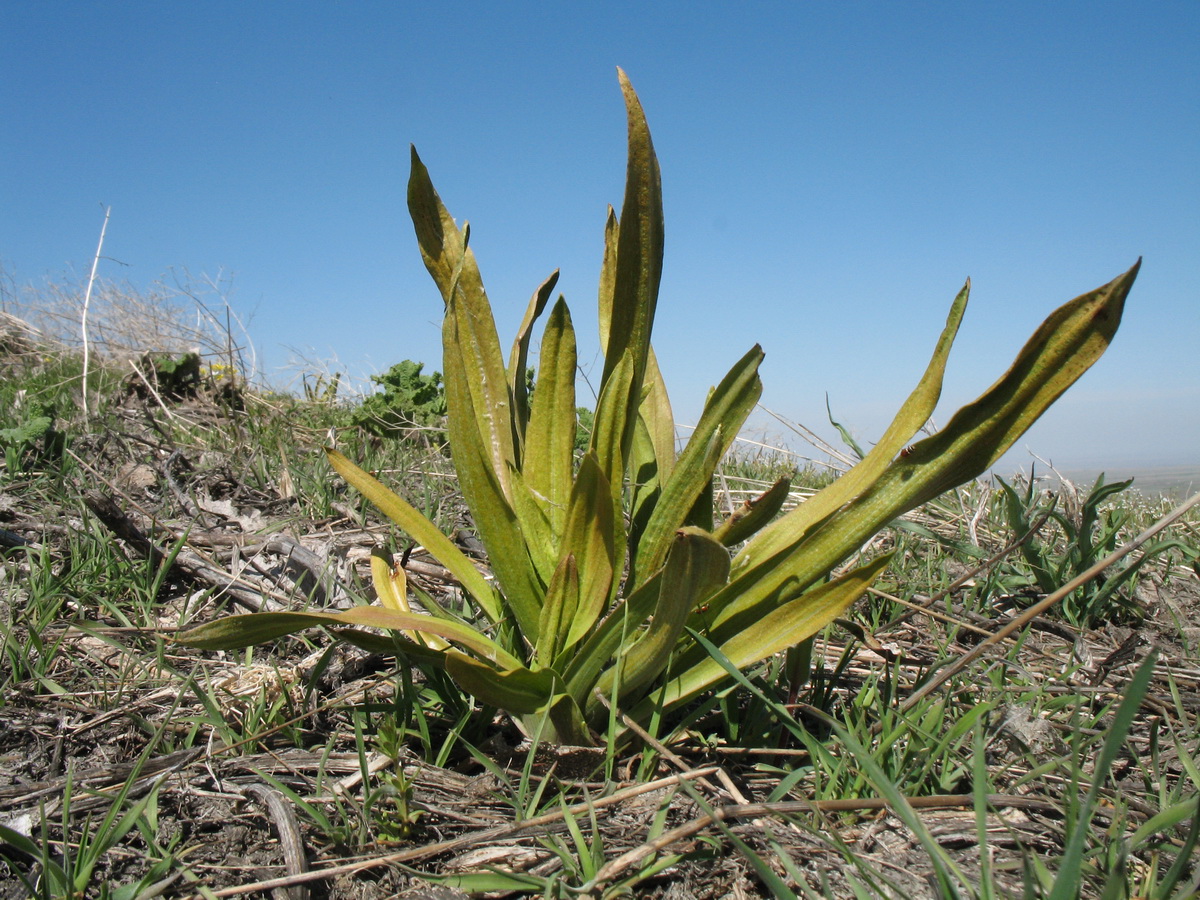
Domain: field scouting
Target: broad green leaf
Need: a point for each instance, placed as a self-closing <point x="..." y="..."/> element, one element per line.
<point x="541" y="541"/>
<point x="473" y="362"/>
<point x="912" y="415"/>
<point x="639" y="260"/>
<point x="527" y="693"/>
<point x="652" y="455"/>
<point x="1066" y="344"/>
<point x="391" y="644"/>
<point x="645" y="483"/>
<point x="548" y="463"/>
<point x="656" y="413"/>
<point x="500" y="531"/>
<point x="422" y="531"/>
<point x="478" y="402"/>
<point x="696" y="566"/>
<point x="622" y="623"/>
<point x="672" y="505"/>
<point x="612" y="412"/>
<point x="558" y="611"/>
<point x="236" y="632"/>
<point x="442" y="243"/>
<point x="55" y="876"/>
<point x="723" y="416"/>
<point x="515" y="689"/>
<point x="1059" y="352"/>
<point x="518" y="359"/>
<point x="591" y="537"/>
<point x="774" y="632"/>
<point x="608" y="275"/>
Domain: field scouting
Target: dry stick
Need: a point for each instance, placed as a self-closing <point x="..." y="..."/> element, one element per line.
<point x="459" y="843"/>
<point x="87" y="299"/>
<point x="1040" y="607"/>
<point x="284" y="820"/>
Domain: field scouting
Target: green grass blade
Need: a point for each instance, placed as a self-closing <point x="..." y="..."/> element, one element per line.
<point x="1066" y="883"/>
<point x="949" y="876"/>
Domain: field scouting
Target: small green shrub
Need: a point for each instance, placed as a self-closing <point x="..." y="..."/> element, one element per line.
<point x="408" y="400"/>
<point x="612" y="580"/>
<point x="172" y="377"/>
<point x="1087" y="536"/>
<point x="34" y="437"/>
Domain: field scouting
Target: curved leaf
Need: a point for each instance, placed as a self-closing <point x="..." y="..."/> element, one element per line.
<point x="518" y="359"/>
<point x="696" y="566"/>
<point x="236" y="632"/>
<point x="548" y="462"/>
<point x="912" y="415"/>
<point x="638" y="268"/>
<point x="422" y="531"/>
<point x="723" y="416"/>
<point x="781" y="628"/>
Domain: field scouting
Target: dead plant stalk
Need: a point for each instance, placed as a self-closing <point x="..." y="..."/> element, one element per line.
<point x="87" y="299"/>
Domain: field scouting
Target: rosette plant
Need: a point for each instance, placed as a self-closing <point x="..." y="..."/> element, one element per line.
<point x="602" y="570"/>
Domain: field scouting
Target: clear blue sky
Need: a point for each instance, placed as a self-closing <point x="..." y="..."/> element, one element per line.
<point x="832" y="173"/>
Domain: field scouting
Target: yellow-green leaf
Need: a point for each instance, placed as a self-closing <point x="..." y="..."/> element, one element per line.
<point x="696" y="566"/>
<point x="912" y="415"/>
<point x="558" y="611"/>
<point x="1067" y="343"/>
<point x="422" y="530"/>
<point x="723" y="416"/>
<point x="549" y="452"/>
<point x="235" y="632"/>
<point x="774" y="632"/>
<point x="518" y="358"/>
<point x="391" y="586"/>
<point x="639" y="256"/>
<point x="753" y="514"/>
<point x="591" y="537"/>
